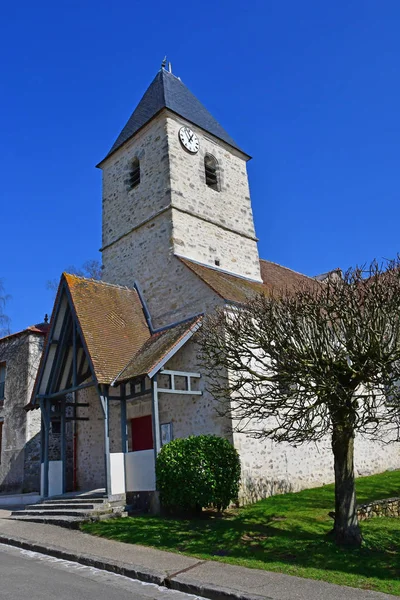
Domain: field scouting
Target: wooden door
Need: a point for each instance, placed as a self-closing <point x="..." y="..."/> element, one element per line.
<point x="142" y="433"/>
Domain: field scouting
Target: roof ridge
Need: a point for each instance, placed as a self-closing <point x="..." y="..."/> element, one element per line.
<point x="29" y="329"/>
<point x="92" y="280"/>
<point x="271" y="262"/>
<point x="219" y="270"/>
<point x="194" y="318"/>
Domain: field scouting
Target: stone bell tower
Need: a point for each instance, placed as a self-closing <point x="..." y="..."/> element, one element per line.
<point x="175" y="184"/>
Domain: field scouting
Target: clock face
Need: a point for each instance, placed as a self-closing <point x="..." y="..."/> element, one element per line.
<point x="189" y="139"/>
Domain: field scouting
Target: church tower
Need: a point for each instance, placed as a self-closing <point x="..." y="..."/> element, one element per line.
<point x="175" y="185"/>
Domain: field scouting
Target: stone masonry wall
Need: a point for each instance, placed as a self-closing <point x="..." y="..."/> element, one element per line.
<point x="90" y="438"/>
<point x="124" y="209"/>
<point x="90" y="461"/>
<point x="269" y="468"/>
<point x="141" y="231"/>
<point x="211" y="224"/>
<point x="189" y="415"/>
<point x="15" y="353"/>
<point x="32" y="421"/>
<point x="20" y="459"/>
<point x="206" y="243"/>
<point x="389" y="507"/>
<point x="172" y="292"/>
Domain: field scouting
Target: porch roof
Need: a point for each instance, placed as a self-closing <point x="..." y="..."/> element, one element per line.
<point x="157" y="348"/>
<point x="112" y="323"/>
<point x="112" y="332"/>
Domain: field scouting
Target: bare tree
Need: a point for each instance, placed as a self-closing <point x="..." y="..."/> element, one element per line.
<point x="4" y="319"/>
<point x="91" y="269"/>
<point x="324" y="360"/>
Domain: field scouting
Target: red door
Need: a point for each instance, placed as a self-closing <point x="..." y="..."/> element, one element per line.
<point x="142" y="433"/>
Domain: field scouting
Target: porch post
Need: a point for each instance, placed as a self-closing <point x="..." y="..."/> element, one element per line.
<point x="105" y="402"/>
<point x="46" y="422"/>
<point x="63" y="447"/>
<point x="155" y="416"/>
<point x="124" y="432"/>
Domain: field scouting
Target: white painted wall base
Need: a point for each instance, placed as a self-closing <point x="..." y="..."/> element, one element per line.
<point x="117" y="467"/>
<point x="55" y="478"/>
<point x="140" y="471"/>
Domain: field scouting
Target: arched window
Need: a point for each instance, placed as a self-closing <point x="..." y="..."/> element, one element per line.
<point x="134" y="177"/>
<point x="211" y="172"/>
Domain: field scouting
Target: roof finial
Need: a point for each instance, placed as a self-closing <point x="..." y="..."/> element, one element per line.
<point x="46" y="318"/>
<point x="164" y="62"/>
<point x="169" y="67"/>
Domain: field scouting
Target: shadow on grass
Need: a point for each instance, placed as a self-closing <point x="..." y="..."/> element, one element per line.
<point x="289" y="530"/>
<point x="237" y="540"/>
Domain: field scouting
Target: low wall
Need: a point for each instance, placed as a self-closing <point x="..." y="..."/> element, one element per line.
<point x="390" y="507"/>
<point x="19" y="499"/>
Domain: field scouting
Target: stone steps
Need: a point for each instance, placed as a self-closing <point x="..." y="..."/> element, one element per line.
<point x="63" y="506"/>
<point x="72" y="510"/>
<point x="61" y="513"/>
<point x="68" y="522"/>
<point x="77" y="500"/>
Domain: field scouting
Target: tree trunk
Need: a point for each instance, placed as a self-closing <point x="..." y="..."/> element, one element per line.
<point x="346" y="530"/>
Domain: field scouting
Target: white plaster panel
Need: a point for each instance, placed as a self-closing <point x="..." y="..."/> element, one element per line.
<point x="55" y="477"/>
<point x="140" y="471"/>
<point x="117" y="472"/>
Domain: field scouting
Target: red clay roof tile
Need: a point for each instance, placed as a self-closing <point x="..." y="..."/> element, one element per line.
<point x="112" y="322"/>
<point x="237" y="289"/>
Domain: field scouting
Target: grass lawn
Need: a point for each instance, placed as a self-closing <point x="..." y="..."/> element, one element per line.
<point x="284" y="533"/>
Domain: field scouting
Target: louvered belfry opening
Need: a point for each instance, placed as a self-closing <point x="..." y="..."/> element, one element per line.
<point x="134" y="178"/>
<point x="211" y="171"/>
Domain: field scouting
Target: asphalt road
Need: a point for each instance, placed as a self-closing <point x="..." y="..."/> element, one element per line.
<point x="27" y="575"/>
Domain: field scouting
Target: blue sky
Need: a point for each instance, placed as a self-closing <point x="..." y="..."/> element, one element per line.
<point x="310" y="89"/>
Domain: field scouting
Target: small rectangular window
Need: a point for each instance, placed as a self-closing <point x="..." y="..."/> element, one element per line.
<point x="211" y="172"/>
<point x="56" y="427"/>
<point x="134" y="178"/>
<point x="2" y="380"/>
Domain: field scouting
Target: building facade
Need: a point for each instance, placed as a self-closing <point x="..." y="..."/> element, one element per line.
<point x="178" y="241"/>
<point x="19" y="430"/>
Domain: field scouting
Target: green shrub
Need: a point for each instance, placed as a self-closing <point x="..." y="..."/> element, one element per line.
<point x="198" y="472"/>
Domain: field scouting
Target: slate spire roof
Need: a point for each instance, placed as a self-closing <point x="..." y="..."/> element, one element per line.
<point x="168" y="91"/>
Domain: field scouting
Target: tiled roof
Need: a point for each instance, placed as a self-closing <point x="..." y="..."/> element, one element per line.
<point x="39" y="328"/>
<point x="230" y="287"/>
<point x="281" y="279"/>
<point x="167" y="91"/>
<point x="115" y="330"/>
<point x="237" y="289"/>
<point x="156" y="348"/>
<point x="112" y="322"/>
